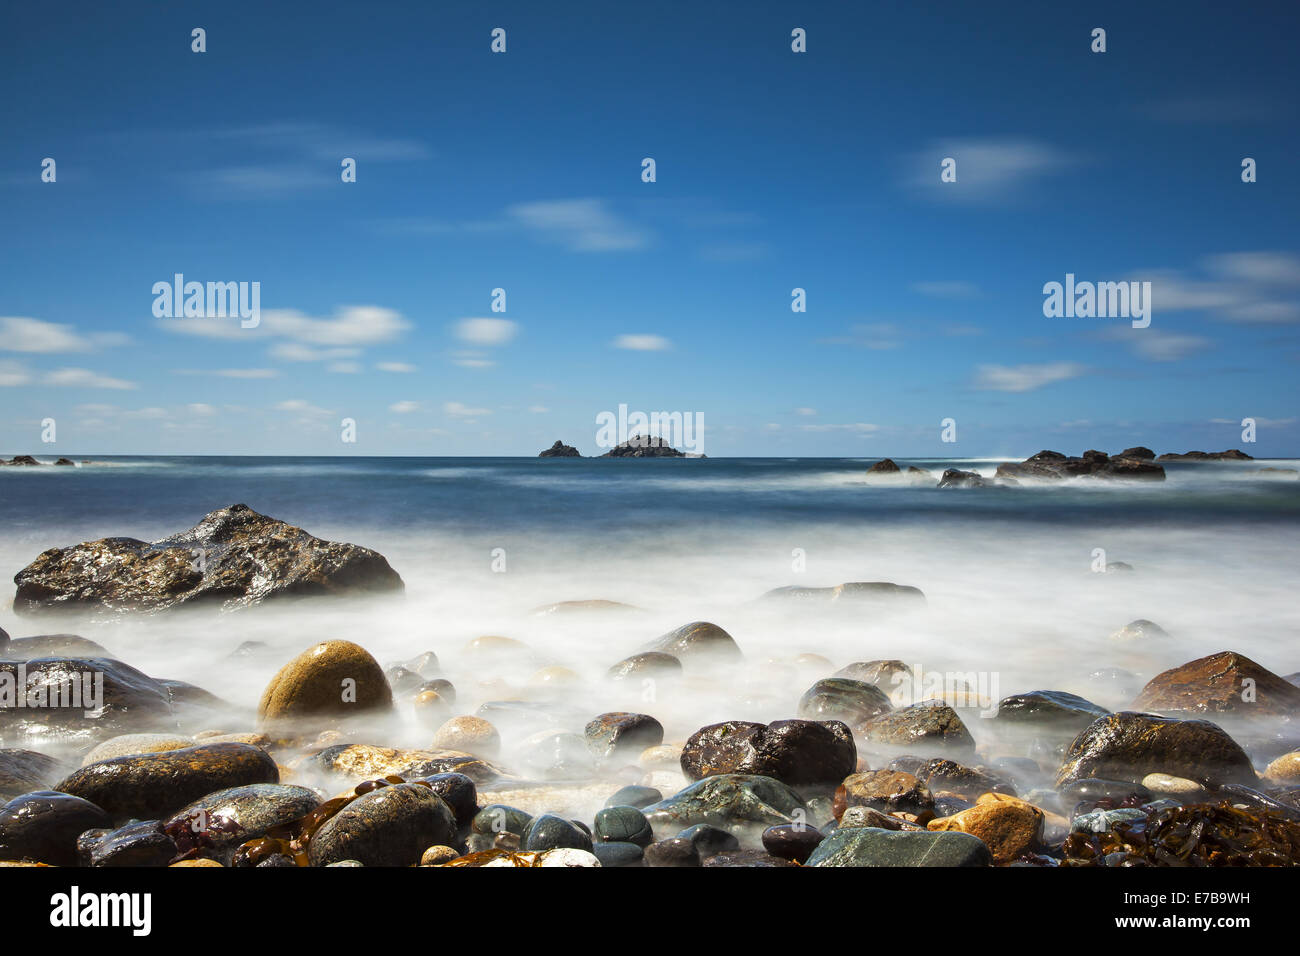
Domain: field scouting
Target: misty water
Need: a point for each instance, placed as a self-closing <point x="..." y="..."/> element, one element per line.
<point x="1008" y="573"/>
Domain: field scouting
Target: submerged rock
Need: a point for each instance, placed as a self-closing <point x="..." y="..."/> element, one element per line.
<point x="1222" y="683"/>
<point x="622" y="735"/>
<point x="390" y="826"/>
<point x="22" y="771"/>
<point x="867" y="846"/>
<point x="1050" y="711"/>
<point x="700" y="640"/>
<point x="796" y="752"/>
<point x="62" y="695"/>
<point x="470" y="735"/>
<point x="1128" y="746"/>
<point x="1234" y="454"/>
<point x="839" y="698"/>
<point x="648" y="664"/>
<point x="741" y="803"/>
<point x="126" y="744"/>
<point x="53" y="645"/>
<point x="233" y="557"/>
<point x="927" y="725"/>
<point x="854" y="592"/>
<point x="152" y="786"/>
<point x="792" y="841"/>
<point x="43" y="826"/>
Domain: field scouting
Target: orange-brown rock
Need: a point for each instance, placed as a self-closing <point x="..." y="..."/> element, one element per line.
<point x="1226" y="682"/>
<point x="1008" y="828"/>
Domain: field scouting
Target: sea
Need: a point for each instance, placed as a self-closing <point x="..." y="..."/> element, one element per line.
<point x="1015" y="579"/>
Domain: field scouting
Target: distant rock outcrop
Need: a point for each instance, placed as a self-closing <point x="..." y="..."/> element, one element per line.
<point x="1053" y="465"/>
<point x="234" y="558"/>
<point x="560" y="450"/>
<point x="1234" y="454"/>
<point x="645" y="446"/>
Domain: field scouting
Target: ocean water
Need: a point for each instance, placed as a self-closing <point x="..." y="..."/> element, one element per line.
<point x="1008" y="573"/>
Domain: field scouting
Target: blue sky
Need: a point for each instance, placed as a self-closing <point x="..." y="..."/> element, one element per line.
<point x="522" y="171"/>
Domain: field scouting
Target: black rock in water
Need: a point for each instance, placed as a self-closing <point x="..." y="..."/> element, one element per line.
<point x="644" y="446"/>
<point x="233" y="558"/>
<point x="560" y="450"/>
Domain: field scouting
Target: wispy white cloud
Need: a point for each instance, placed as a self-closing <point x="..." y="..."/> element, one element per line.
<point x="1246" y="287"/>
<point x="84" y="378"/>
<point x="988" y="169"/>
<point x="25" y="334"/>
<point x="1025" y="378"/>
<point x="581" y="225"/>
<point x="398" y="367"/>
<point x="642" y="343"/>
<point x="465" y="412"/>
<point x="404" y="407"/>
<point x="486" y="332"/>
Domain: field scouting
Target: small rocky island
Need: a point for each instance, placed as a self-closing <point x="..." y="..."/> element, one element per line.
<point x="560" y="450"/>
<point x="28" y="461"/>
<point x="639" y="446"/>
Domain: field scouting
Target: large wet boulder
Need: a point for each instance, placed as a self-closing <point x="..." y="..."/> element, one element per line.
<point x="219" y="822"/>
<point x="391" y="826"/>
<point x="650" y="664"/>
<point x="740" y="803"/>
<point x="79" y="701"/>
<point x="233" y="558"/>
<point x="796" y="752"/>
<point x="872" y="593"/>
<point x="869" y="846"/>
<point x="927" y="726"/>
<point x="152" y="786"/>
<point x="1223" y="683"/>
<point x="1128" y="746"/>
<point x="698" y="641"/>
<point x="43" y="826"/>
<point x="334" y="679"/>
<point x="53" y="645"/>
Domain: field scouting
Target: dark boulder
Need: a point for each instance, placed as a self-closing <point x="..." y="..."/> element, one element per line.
<point x="796" y="752"/>
<point x="1128" y="746"/>
<point x="390" y="826"/>
<point x="155" y="785"/>
<point x="838" y="698"/>
<point x="700" y="640"/>
<point x="43" y="826"/>
<point x="927" y="725"/>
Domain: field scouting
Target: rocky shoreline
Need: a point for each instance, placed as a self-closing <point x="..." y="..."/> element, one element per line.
<point x="1193" y="771"/>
